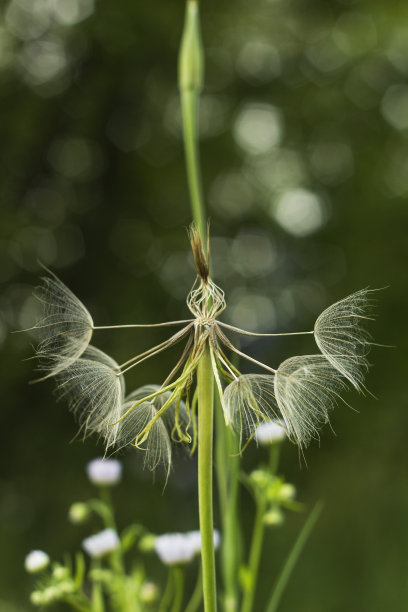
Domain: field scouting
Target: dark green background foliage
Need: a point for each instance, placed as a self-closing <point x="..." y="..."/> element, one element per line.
<point x="305" y="172"/>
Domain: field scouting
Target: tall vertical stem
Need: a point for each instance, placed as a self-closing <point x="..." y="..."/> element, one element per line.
<point x="191" y="72"/>
<point x="205" y="383"/>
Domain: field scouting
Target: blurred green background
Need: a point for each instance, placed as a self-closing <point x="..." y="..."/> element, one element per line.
<point x="304" y="126"/>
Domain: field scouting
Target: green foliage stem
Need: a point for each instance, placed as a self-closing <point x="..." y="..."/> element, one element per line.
<point x="178" y="577"/>
<point x="205" y="384"/>
<point x="227" y="467"/>
<point x="191" y="70"/>
<point x="293" y="557"/>
<point x="254" y="555"/>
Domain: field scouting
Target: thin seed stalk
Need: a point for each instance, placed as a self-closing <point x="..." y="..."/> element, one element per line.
<point x="205" y="386"/>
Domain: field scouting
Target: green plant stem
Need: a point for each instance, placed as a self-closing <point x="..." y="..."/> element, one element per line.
<point x="221" y="456"/>
<point x="168" y="593"/>
<point x="178" y="580"/>
<point x="97" y="601"/>
<point x="197" y="596"/>
<point x="189" y="109"/>
<point x="106" y="498"/>
<point x="293" y="557"/>
<point x="191" y="66"/>
<point x="227" y="468"/>
<point x="274" y="453"/>
<point x="116" y="556"/>
<point x="205" y="386"/>
<point x="77" y="604"/>
<point x="254" y="555"/>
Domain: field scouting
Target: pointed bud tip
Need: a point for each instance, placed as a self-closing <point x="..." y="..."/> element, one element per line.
<point x="200" y="259"/>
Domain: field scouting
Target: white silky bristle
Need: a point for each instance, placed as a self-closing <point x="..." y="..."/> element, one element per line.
<point x="249" y="401"/>
<point x="157" y="449"/>
<point x="342" y="339"/>
<point x="94" y="392"/>
<point x="65" y="329"/>
<point x="306" y="389"/>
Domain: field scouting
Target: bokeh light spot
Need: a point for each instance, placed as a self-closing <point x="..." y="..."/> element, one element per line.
<point x="258" y="128"/>
<point x="69" y="12"/>
<point x="251" y="311"/>
<point x="299" y="212"/>
<point x="331" y="162"/>
<point x="43" y="60"/>
<point x="253" y="254"/>
<point x="76" y="158"/>
<point x="258" y="62"/>
<point x="231" y="194"/>
<point x="394" y="106"/>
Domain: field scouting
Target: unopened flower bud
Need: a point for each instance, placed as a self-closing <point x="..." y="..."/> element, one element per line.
<point x="36" y="561"/>
<point x="287" y="491"/>
<point x="146" y="543"/>
<point x="60" y="572"/>
<point x="51" y="594"/>
<point x="37" y="598"/>
<point x="149" y="593"/>
<point x="66" y="587"/>
<point x="273" y="517"/>
<point x="78" y="513"/>
<point x="191" y="57"/>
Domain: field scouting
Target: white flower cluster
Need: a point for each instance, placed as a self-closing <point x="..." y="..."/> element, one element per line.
<point x="104" y="472"/>
<point x="101" y="543"/>
<point x="36" y="561"/>
<point x="175" y="548"/>
<point x="269" y="432"/>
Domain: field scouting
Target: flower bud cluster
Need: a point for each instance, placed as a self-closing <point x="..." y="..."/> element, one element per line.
<point x="58" y="585"/>
<point x="52" y="594"/>
<point x="275" y="492"/>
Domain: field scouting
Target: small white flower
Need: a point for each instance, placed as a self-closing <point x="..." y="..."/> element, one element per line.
<point x="36" y="561"/>
<point x="269" y="432"/>
<point x="174" y="548"/>
<point x="195" y="537"/>
<point x="101" y="543"/>
<point x="104" y="471"/>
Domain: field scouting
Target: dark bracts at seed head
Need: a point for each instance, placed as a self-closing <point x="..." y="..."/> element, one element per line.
<point x="201" y="261"/>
